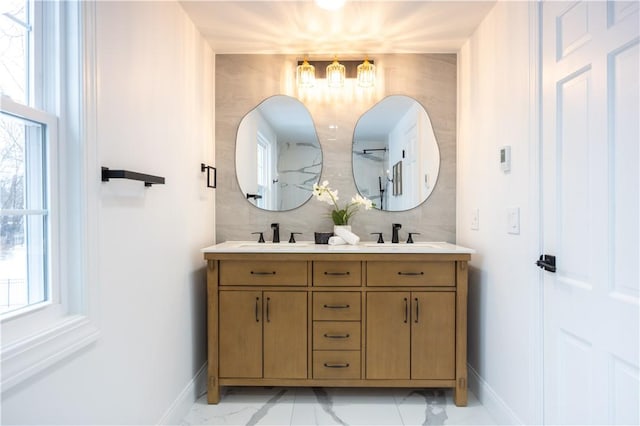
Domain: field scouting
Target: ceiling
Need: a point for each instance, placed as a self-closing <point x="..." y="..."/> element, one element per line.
<point x="360" y="27"/>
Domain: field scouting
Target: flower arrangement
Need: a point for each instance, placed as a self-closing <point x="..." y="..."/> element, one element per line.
<point x="340" y="216"/>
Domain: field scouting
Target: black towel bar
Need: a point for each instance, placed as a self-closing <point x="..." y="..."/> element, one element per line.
<point x="126" y="174"/>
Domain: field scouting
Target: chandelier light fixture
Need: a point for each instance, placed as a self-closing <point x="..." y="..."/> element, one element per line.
<point x="366" y="74"/>
<point x="306" y="75"/>
<point x="335" y="74"/>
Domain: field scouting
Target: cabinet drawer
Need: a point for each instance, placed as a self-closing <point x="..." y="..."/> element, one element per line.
<point x="411" y="274"/>
<point x="336" y="364"/>
<point x="336" y="273"/>
<point x="253" y="272"/>
<point x="336" y="335"/>
<point x="336" y="306"/>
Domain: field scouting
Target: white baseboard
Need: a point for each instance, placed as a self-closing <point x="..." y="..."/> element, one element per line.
<point x="497" y="408"/>
<point x="189" y="395"/>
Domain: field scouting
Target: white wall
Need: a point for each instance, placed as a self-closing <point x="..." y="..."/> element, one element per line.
<point x="154" y="115"/>
<point x="496" y="103"/>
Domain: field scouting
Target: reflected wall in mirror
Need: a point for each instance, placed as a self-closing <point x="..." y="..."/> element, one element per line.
<point x="278" y="154"/>
<point x="395" y="155"/>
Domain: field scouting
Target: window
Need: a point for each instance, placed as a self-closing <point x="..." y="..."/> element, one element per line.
<point x="47" y="135"/>
<point x="16" y="49"/>
<point x="27" y="150"/>
<point x="27" y="140"/>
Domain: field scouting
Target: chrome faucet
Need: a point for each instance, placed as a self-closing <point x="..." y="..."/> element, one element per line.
<point x="395" y="227"/>
<point x="276" y="232"/>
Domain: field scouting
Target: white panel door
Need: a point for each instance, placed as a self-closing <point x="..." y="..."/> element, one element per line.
<point x="410" y="191"/>
<point x="590" y="162"/>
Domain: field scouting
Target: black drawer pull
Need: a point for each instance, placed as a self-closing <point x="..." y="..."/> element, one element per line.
<point x="411" y="273"/>
<point x="257" y="307"/>
<point x="337" y="306"/>
<point x="336" y="336"/>
<point x="406" y="310"/>
<point x="337" y="273"/>
<point x="268" y="303"/>
<point x="332" y="365"/>
<point x="263" y="273"/>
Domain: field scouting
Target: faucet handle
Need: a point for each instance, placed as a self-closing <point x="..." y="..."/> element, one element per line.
<point x="410" y="239"/>
<point x="380" y="239"/>
<point x="261" y="239"/>
<point x="292" y="239"/>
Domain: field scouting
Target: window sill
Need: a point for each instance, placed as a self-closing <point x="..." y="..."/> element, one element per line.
<point x="27" y="357"/>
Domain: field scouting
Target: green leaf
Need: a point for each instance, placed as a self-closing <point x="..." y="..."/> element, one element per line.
<point x="339" y="217"/>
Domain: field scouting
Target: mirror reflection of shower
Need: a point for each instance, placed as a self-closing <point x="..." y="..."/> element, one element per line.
<point x="395" y="155"/>
<point x="377" y="157"/>
<point x="278" y="154"/>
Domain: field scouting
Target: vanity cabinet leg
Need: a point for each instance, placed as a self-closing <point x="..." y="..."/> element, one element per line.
<point x="213" y="391"/>
<point x="460" y="393"/>
<point x="213" y="384"/>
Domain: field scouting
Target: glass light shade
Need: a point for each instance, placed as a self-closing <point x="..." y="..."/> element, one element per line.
<point x="306" y="75"/>
<point x="366" y="74"/>
<point x="335" y="74"/>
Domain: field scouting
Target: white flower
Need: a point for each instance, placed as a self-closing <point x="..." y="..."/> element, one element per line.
<point x="323" y="193"/>
<point x="340" y="216"/>
<point x="362" y="201"/>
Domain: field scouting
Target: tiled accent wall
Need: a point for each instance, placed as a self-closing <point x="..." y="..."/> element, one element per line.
<point x="243" y="81"/>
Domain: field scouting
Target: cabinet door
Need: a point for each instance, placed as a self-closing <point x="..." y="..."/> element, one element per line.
<point x="285" y="334"/>
<point x="433" y="328"/>
<point x="240" y="344"/>
<point x="388" y="335"/>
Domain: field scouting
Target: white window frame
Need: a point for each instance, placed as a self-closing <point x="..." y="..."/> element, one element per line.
<point x="36" y="313"/>
<point x="37" y="338"/>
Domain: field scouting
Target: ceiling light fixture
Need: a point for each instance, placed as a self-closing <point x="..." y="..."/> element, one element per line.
<point x="335" y="74"/>
<point x="306" y="75"/>
<point x="330" y="4"/>
<point x="366" y="74"/>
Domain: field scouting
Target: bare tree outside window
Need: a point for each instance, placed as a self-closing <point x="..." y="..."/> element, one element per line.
<point x="15" y="48"/>
<point x="21" y="227"/>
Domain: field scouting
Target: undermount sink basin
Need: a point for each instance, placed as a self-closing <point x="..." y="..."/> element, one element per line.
<point x="275" y="246"/>
<point x="434" y="245"/>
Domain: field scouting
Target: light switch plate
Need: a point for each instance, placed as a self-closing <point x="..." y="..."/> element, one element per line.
<point x="505" y="158"/>
<point x="513" y="220"/>
<point x="475" y="219"/>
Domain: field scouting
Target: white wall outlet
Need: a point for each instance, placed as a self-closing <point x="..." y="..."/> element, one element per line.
<point x="513" y="220"/>
<point x="475" y="219"/>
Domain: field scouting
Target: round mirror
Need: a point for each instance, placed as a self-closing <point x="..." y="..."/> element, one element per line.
<point x="278" y="154"/>
<point x="395" y="155"/>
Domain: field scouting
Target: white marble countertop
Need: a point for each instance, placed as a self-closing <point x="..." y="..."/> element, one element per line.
<point x="311" y="247"/>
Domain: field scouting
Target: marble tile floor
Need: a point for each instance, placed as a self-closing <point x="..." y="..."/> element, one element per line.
<point x="336" y="406"/>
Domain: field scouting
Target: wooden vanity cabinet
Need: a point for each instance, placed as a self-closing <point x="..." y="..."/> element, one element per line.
<point x="410" y="335"/>
<point x="263" y="334"/>
<point x="337" y="319"/>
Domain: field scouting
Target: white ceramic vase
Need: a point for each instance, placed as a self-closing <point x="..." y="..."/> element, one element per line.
<point x="346" y="227"/>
